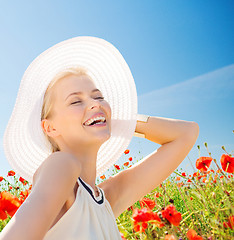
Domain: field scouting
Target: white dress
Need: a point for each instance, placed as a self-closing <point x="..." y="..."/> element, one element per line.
<point x="89" y="218"/>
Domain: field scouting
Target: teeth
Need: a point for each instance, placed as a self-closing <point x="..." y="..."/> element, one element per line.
<point x="95" y="119"/>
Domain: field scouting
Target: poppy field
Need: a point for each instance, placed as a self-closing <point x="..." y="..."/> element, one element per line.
<point x="196" y="206"/>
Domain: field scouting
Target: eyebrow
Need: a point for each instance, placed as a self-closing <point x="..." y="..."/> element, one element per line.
<point x="81" y="93"/>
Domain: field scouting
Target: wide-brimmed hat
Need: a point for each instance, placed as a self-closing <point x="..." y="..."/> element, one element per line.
<point x="25" y="144"/>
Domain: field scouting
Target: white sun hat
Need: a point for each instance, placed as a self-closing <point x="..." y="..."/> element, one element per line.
<point x="24" y="142"/>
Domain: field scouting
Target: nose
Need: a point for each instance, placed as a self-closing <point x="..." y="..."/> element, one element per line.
<point x="95" y="103"/>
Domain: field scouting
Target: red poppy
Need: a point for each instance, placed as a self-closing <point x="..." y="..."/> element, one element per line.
<point x="192" y="235"/>
<point x="148" y="203"/>
<point x="183" y="174"/>
<point x="145" y="215"/>
<point x="130" y="208"/>
<point x="23" y="180"/>
<point x="117" y="167"/>
<point x="130" y="159"/>
<point x="140" y="227"/>
<point x="126" y="151"/>
<point x="1" y="178"/>
<point x="227" y="163"/>
<point x="189" y="180"/>
<point x="196" y="174"/>
<point x="24" y="195"/>
<point x="8" y="204"/>
<point x="230" y="222"/>
<point x="203" y="163"/>
<point x="177" y="178"/>
<point x="103" y="176"/>
<point x="126" y="163"/>
<point x="11" y="173"/>
<point x="157" y="195"/>
<point x="141" y="215"/>
<point x="172" y="215"/>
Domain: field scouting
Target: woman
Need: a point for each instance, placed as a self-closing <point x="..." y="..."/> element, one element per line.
<point x="75" y="114"/>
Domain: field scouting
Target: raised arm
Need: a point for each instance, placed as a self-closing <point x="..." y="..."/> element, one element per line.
<point x="55" y="183"/>
<point x="177" y="138"/>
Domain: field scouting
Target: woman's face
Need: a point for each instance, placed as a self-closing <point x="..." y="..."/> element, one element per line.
<point x="71" y="110"/>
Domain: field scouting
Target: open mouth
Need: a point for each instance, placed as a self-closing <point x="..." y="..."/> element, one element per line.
<point x="97" y="123"/>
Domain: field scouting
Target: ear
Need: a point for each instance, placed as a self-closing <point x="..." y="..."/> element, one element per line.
<point x="48" y="128"/>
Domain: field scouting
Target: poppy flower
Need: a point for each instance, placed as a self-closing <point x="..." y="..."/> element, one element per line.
<point x="157" y="195"/>
<point x="126" y="163"/>
<point x="1" y="178"/>
<point x="130" y="159"/>
<point x="229" y="223"/>
<point x="192" y="235"/>
<point x="140" y="227"/>
<point x="11" y="173"/>
<point x="141" y="215"/>
<point x="203" y="163"/>
<point x="126" y="151"/>
<point x="147" y="202"/>
<point x="8" y="204"/>
<point x="130" y="208"/>
<point x="172" y="215"/>
<point x="103" y="176"/>
<point x="227" y="163"/>
<point x="117" y="167"/>
<point x="24" y="195"/>
<point x="23" y="180"/>
<point x="183" y="174"/>
<point x="145" y="215"/>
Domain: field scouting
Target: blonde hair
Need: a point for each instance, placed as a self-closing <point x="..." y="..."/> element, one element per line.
<point x="47" y="106"/>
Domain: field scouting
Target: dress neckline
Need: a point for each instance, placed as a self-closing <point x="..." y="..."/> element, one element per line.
<point x="100" y="198"/>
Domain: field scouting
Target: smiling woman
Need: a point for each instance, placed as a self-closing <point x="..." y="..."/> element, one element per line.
<point x="61" y="155"/>
<point x="55" y="99"/>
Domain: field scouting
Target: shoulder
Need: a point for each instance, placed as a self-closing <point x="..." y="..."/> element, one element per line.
<point x="61" y="161"/>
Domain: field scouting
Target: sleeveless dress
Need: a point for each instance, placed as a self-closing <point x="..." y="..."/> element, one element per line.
<point x="89" y="218"/>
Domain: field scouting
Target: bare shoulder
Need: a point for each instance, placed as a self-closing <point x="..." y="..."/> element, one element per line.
<point x="54" y="184"/>
<point x="58" y="160"/>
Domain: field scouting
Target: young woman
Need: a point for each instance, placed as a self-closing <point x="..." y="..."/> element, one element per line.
<point x="75" y="114"/>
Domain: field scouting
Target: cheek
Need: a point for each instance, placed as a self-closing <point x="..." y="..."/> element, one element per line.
<point x="70" y="118"/>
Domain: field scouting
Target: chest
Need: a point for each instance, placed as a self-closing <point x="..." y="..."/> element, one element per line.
<point x="70" y="201"/>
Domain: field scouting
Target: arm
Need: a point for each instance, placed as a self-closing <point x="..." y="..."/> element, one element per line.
<point x="163" y="130"/>
<point x="35" y="216"/>
<point x="177" y="138"/>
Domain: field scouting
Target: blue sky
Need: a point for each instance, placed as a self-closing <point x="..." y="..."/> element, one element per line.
<point x="180" y="53"/>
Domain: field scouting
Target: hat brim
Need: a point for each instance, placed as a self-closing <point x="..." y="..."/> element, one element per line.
<point x="25" y="145"/>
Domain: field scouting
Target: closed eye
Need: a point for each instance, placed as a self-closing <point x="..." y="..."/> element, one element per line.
<point x="95" y="98"/>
